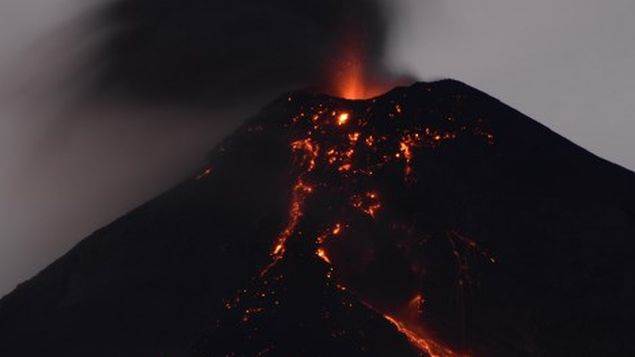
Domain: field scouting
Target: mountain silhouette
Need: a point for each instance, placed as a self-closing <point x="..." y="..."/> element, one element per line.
<point x="432" y="220"/>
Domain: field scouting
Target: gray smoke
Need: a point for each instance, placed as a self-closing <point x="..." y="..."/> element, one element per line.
<point x="105" y="104"/>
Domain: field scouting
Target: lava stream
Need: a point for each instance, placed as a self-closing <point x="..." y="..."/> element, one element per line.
<point x="425" y="345"/>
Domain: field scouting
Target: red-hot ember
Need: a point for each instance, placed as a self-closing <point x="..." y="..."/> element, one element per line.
<point x="342" y="119"/>
<point x="321" y="252"/>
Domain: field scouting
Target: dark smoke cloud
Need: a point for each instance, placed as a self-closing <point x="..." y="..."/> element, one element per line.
<point x="107" y="103"/>
<point x="226" y="49"/>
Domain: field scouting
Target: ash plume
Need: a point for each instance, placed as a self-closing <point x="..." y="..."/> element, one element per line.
<point x="225" y="51"/>
<point x="127" y="98"/>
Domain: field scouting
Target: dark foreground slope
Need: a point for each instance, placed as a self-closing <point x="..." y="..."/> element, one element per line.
<point x="520" y="242"/>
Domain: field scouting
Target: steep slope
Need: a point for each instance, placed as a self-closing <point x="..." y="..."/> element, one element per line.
<point x="440" y="210"/>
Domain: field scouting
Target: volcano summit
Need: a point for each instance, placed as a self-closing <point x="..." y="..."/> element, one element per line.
<point x="432" y="220"/>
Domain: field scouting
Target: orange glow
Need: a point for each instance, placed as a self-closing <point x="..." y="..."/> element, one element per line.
<point x="300" y="192"/>
<point x="310" y="150"/>
<point x="337" y="229"/>
<point x="416" y="301"/>
<point x="415" y="306"/>
<point x="368" y="204"/>
<point x="336" y="150"/>
<point x="345" y="167"/>
<point x="425" y="345"/>
<point x="405" y="149"/>
<point x="408" y="142"/>
<point x="351" y="73"/>
<point x="342" y="119"/>
<point x="321" y="252"/>
<point x="372" y="210"/>
<point x="352" y="86"/>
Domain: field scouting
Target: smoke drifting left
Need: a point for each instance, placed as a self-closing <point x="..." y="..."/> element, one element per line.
<point x="132" y="94"/>
<point x="225" y="51"/>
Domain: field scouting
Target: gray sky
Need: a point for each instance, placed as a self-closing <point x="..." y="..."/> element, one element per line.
<point x="569" y="64"/>
<point x="69" y="165"/>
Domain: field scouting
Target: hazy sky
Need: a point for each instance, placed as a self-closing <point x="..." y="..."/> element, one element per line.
<point x="569" y="64"/>
<point x="69" y="165"/>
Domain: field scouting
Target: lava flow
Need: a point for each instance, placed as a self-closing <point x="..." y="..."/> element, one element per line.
<point x="430" y="347"/>
<point x="340" y="144"/>
<point x="356" y="202"/>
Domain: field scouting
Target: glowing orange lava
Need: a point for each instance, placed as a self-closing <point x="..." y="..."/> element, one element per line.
<point x="321" y="252"/>
<point x="300" y="192"/>
<point x="342" y="118"/>
<point x="337" y="229"/>
<point x="425" y="345"/>
<point x="335" y="148"/>
<point x="310" y="149"/>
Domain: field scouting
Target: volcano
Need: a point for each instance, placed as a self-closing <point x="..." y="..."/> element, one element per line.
<point x="430" y="221"/>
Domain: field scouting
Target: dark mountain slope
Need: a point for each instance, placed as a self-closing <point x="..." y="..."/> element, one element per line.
<point x="520" y="242"/>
